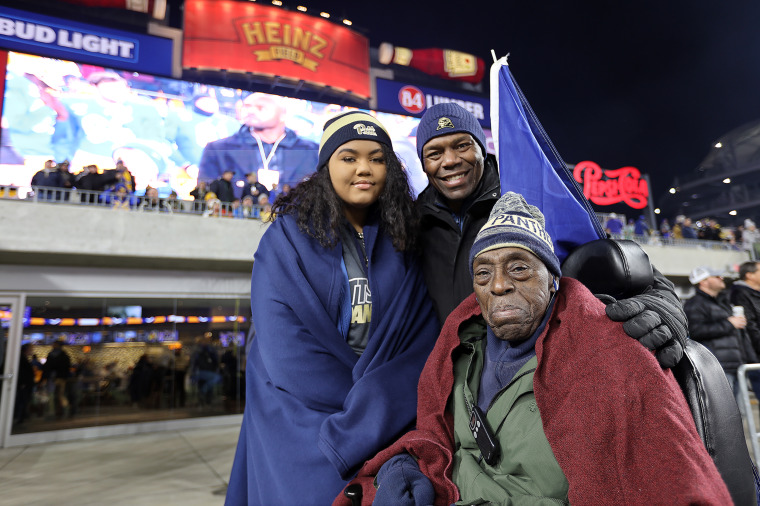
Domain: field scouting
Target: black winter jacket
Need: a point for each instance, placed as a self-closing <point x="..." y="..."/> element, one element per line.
<point x="223" y="189"/>
<point x="743" y="295"/>
<point x="708" y="324"/>
<point x="446" y="246"/>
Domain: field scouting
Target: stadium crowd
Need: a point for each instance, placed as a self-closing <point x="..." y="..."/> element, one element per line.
<point x="116" y="188"/>
<point x="683" y="231"/>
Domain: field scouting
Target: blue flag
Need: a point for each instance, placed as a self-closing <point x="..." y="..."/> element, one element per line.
<point x="530" y="165"/>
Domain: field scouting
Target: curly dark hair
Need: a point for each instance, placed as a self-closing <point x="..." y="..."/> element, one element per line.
<point x="319" y="211"/>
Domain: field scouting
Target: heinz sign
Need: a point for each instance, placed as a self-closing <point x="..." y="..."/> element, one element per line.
<point x="608" y="187"/>
<point x="248" y="37"/>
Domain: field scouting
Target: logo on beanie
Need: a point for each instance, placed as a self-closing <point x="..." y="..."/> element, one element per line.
<point x="363" y="129"/>
<point x="521" y="222"/>
<point x="445" y="123"/>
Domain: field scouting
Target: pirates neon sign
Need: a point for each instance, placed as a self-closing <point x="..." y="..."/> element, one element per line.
<point x="608" y="187"/>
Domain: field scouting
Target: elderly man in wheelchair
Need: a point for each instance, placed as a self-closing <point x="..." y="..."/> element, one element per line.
<point x="533" y="395"/>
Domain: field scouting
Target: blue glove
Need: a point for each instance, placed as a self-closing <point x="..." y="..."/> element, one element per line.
<point x="400" y="483"/>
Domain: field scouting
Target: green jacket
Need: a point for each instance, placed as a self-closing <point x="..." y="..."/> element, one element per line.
<point x="526" y="472"/>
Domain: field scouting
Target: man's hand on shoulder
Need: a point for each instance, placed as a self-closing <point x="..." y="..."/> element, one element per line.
<point x="656" y="321"/>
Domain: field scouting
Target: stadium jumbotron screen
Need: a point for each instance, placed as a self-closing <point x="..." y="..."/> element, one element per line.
<point x="159" y="127"/>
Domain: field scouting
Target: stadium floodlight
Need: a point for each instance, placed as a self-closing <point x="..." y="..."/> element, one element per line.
<point x="347" y="22"/>
<point x="733" y="212"/>
<point x="719" y="145"/>
<point x="672" y="191"/>
<point x="727" y="180"/>
<point x="301" y="8"/>
<point x="324" y="14"/>
<point x="657" y="211"/>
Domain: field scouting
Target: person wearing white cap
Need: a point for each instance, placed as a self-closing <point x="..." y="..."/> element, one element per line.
<point x="711" y="321"/>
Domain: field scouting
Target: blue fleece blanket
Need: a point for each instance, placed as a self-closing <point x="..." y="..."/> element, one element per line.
<point x="315" y="411"/>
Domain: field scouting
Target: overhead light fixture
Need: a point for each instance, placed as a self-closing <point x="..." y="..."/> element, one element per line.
<point x="657" y="211"/>
<point x="733" y="213"/>
<point x="324" y="14"/>
<point x="347" y="22"/>
<point x="719" y="145"/>
<point x="727" y="180"/>
<point x="276" y="2"/>
<point x="672" y="190"/>
<point x="301" y="8"/>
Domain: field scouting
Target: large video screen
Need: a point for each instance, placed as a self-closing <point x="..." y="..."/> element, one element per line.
<point x="168" y="133"/>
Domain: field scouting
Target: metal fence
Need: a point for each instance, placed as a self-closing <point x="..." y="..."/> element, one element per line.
<point x="129" y="202"/>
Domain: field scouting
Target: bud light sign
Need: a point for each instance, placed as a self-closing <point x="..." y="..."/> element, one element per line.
<point x="412" y="100"/>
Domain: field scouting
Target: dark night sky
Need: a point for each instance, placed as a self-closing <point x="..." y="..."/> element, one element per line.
<point x="648" y="83"/>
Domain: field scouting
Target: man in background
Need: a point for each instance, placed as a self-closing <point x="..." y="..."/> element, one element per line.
<point x="712" y="323"/>
<point x="263" y="144"/>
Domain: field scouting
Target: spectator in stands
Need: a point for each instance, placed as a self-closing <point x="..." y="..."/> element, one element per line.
<point x="665" y="228"/>
<point x="67" y="178"/>
<point x="200" y="191"/>
<point x="199" y="196"/>
<point x="265" y="209"/>
<point x="246" y="209"/>
<point x="613" y="226"/>
<point x="629" y="229"/>
<point x="677" y="232"/>
<point x="687" y="230"/>
<point x="213" y="208"/>
<point x="641" y="228"/>
<point x="253" y="187"/>
<point x="746" y="293"/>
<point x="48" y="177"/>
<point x="92" y="180"/>
<point x="122" y="199"/>
<point x="711" y="322"/>
<point x="174" y="201"/>
<point x="152" y="202"/>
<point x="223" y="186"/>
<point x="235" y="209"/>
<point x="263" y="142"/>
<point x="750" y="236"/>
<point x="124" y="176"/>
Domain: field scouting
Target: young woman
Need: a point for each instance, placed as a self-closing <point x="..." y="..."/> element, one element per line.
<point x="343" y="324"/>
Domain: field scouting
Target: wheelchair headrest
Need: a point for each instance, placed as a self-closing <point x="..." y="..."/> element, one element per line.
<point x="617" y="268"/>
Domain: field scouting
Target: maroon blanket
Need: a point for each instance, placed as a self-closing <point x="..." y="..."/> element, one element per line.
<point x="618" y="425"/>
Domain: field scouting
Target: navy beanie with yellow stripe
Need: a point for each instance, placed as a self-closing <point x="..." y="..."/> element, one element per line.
<point x="349" y="126"/>
<point x="513" y="223"/>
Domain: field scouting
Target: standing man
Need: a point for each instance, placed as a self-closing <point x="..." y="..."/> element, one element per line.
<point x="463" y="188"/>
<point x="262" y="143"/>
<point x="746" y="293"/>
<point x="223" y="188"/>
<point x="712" y="323"/>
<point x="43" y="180"/>
<point x="253" y="188"/>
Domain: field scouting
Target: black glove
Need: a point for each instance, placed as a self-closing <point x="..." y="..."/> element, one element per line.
<point x="400" y="482"/>
<point x="655" y="320"/>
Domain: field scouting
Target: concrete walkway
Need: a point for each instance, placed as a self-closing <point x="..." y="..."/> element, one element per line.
<point x="188" y="467"/>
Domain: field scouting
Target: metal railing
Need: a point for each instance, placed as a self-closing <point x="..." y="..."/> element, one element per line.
<point x="130" y="202"/>
<point x="749" y="415"/>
